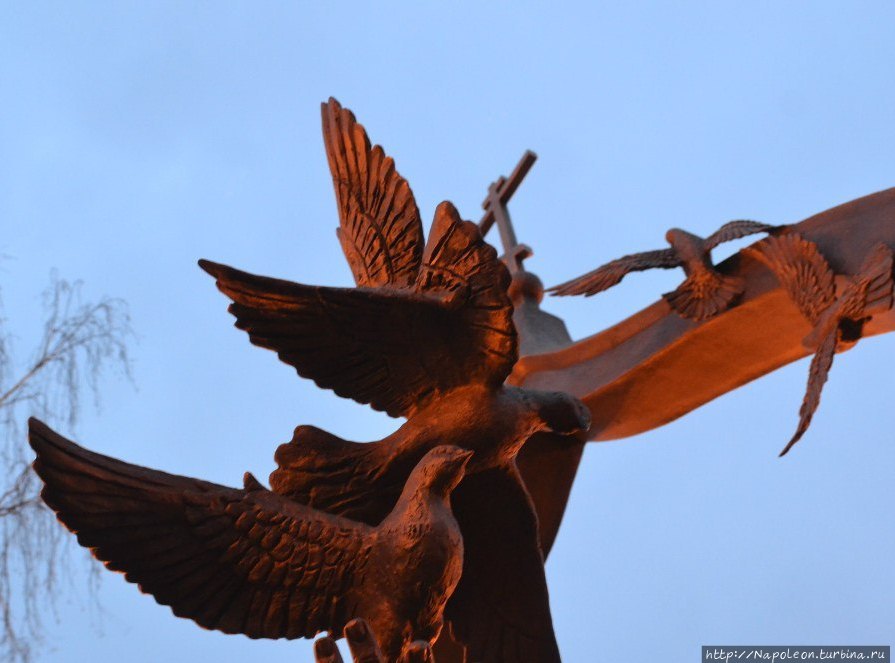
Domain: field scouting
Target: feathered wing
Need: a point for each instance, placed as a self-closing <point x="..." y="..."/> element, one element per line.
<point x="460" y="266"/>
<point x="802" y="271"/>
<point x="817" y="377"/>
<point x="735" y="230"/>
<point x="500" y="609"/>
<point x="354" y="341"/>
<point x="391" y="348"/>
<point x="379" y="223"/>
<point x="360" y="481"/>
<point x="232" y="560"/>
<point x="869" y="292"/>
<point x="611" y="273"/>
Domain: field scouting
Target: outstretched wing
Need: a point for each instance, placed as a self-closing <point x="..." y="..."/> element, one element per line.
<point x="236" y="561"/>
<point x="393" y="349"/>
<point x="379" y="223"/>
<point x="500" y="610"/>
<point x="817" y="376"/>
<point x="801" y="270"/>
<point x="735" y="230"/>
<point x="459" y="266"/>
<point x="611" y="273"/>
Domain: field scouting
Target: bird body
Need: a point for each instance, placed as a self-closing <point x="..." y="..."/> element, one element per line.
<point x="362" y="479"/>
<point x="252" y="561"/>
<point x="704" y="293"/>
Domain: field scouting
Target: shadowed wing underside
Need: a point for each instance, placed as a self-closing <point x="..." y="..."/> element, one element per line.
<point x="603" y="278"/>
<point x="735" y="230"/>
<point x="393" y="348"/>
<point x="232" y="560"/>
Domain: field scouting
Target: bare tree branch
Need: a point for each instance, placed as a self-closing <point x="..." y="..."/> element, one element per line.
<point x="80" y="342"/>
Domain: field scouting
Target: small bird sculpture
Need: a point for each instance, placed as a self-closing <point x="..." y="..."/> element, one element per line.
<point x="838" y="318"/>
<point x="427" y="334"/>
<point x="254" y="562"/>
<point x="704" y="294"/>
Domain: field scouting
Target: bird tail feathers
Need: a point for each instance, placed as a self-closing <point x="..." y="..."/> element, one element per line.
<point x="328" y="473"/>
<point x="705" y="295"/>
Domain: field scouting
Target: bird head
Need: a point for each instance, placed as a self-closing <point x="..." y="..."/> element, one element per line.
<point x="561" y="413"/>
<point x="440" y="470"/>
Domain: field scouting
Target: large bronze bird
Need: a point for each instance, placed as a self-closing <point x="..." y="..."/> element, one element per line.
<point x="838" y="318"/>
<point x="428" y="334"/>
<point x="255" y="562"/>
<point x="704" y="293"/>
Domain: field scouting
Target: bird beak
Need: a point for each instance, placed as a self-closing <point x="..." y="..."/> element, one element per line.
<point x="462" y="460"/>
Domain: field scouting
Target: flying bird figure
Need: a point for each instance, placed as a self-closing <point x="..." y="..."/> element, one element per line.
<point x="838" y="317"/>
<point x="427" y="334"/>
<point x="254" y="562"/>
<point x="704" y="294"/>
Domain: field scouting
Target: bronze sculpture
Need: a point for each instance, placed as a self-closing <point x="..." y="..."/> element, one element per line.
<point x="254" y="562"/>
<point x="838" y="319"/>
<point x="704" y="293"/>
<point x="628" y="376"/>
<point x="449" y="303"/>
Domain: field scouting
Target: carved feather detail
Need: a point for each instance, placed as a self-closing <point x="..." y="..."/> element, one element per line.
<point x="801" y="269"/>
<point x="380" y="228"/>
<point x="610" y="274"/>
<point x="837" y="321"/>
<point x="447" y="300"/>
<point x="817" y="377"/>
<point x="705" y="294"/>
<point x="254" y="562"/>
<point x="736" y="230"/>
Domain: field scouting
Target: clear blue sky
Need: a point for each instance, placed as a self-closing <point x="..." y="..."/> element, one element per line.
<point x="138" y="137"/>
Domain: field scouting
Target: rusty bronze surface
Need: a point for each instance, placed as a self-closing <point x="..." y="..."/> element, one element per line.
<point x="704" y="293"/>
<point x="255" y="562"/>
<point x="837" y="318"/>
<point x="428" y="334"/>
<point x="652" y="367"/>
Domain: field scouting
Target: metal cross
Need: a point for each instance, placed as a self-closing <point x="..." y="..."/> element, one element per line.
<point x="495" y="206"/>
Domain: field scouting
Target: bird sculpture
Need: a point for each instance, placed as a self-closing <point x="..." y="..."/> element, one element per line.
<point x="427" y="334"/>
<point x="255" y="562"/>
<point x="837" y="315"/>
<point x="704" y="293"/>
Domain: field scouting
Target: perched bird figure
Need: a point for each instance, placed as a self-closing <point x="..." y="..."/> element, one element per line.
<point x="428" y="334"/>
<point x="838" y="318"/>
<point x="704" y="294"/>
<point x="254" y="562"/>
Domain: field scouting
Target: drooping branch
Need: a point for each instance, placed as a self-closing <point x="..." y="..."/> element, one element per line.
<point x="79" y="343"/>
